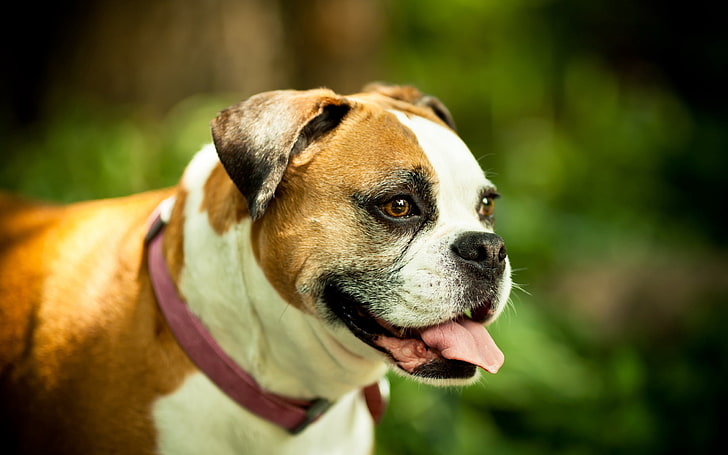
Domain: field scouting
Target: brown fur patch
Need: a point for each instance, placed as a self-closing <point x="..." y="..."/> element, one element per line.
<point x="83" y="354"/>
<point x="224" y="204"/>
<point x="174" y="240"/>
<point x="21" y="222"/>
<point x="401" y="102"/>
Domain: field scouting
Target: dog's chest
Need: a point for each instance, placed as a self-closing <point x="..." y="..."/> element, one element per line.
<point x="199" y="418"/>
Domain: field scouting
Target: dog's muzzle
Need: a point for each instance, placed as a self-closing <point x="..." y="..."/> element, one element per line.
<point x="446" y="349"/>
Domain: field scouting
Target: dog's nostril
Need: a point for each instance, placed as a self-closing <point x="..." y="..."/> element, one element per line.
<point x="502" y="253"/>
<point x="483" y="248"/>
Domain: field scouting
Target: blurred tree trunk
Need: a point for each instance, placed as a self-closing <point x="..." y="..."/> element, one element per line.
<point x="150" y="54"/>
<point x="155" y="53"/>
<point x="333" y="42"/>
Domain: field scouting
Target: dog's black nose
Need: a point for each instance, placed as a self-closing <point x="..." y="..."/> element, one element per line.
<point x="484" y="250"/>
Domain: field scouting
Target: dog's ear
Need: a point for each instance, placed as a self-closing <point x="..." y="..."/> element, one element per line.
<point x="256" y="138"/>
<point x="411" y="95"/>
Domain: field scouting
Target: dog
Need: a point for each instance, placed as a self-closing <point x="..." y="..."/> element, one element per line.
<point x="317" y="242"/>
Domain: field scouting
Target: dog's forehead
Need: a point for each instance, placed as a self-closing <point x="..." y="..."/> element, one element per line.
<point x="460" y="180"/>
<point x="457" y="168"/>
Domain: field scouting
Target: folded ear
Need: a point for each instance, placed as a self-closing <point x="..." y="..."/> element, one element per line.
<point x="411" y="95"/>
<point x="256" y="138"/>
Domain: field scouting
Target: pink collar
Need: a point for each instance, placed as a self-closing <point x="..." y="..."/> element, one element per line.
<point x="291" y="414"/>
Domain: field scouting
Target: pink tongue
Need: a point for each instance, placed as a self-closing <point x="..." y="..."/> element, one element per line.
<point x="465" y="340"/>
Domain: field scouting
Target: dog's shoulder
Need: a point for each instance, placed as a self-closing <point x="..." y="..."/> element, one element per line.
<point x="22" y="224"/>
<point x="49" y="256"/>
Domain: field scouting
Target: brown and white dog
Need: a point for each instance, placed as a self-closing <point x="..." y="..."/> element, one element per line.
<point x="320" y="239"/>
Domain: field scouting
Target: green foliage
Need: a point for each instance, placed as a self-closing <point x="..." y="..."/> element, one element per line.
<point x="90" y="151"/>
<point x="587" y="160"/>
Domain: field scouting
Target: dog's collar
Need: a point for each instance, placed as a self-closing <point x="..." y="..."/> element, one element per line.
<point x="199" y="345"/>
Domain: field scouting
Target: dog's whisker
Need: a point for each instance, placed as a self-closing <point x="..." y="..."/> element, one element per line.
<point x="520" y="288"/>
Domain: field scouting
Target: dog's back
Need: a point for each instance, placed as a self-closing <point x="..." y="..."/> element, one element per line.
<point x="23" y="225"/>
<point x="41" y="241"/>
<point x="73" y="291"/>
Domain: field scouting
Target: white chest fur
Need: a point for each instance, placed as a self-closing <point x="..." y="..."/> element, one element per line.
<point x="199" y="419"/>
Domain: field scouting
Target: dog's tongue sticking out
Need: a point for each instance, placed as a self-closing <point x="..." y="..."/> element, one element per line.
<point x="465" y="340"/>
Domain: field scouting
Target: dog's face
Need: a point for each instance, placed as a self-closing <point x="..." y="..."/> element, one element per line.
<point x="383" y="216"/>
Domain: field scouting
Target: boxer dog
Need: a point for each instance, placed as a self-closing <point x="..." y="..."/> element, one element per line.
<point x="254" y="307"/>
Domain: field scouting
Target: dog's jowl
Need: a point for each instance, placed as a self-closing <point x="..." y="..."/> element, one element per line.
<point x="255" y="307"/>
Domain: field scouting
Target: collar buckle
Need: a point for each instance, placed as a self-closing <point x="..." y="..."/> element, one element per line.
<point x="313" y="412"/>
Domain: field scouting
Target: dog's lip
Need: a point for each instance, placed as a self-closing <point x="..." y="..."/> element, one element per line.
<point x="463" y="338"/>
<point x="480" y="315"/>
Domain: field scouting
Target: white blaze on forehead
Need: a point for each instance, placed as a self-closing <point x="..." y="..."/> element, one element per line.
<point x="433" y="281"/>
<point x="460" y="177"/>
<point x="431" y="272"/>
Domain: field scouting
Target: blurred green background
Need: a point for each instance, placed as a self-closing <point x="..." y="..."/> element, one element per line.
<point x="603" y="123"/>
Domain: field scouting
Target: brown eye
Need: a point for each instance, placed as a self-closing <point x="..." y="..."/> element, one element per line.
<point x="398" y="207"/>
<point x="486" y="207"/>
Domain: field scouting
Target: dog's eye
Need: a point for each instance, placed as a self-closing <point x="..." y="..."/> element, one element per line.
<point x="398" y="207"/>
<point x="486" y="207"/>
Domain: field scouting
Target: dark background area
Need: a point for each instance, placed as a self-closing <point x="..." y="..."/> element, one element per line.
<point x="604" y="124"/>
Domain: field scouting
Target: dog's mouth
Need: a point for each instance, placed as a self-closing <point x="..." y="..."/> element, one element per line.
<point x="452" y="349"/>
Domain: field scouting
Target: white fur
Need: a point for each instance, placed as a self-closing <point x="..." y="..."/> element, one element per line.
<point x="199" y="419"/>
<point x="165" y="208"/>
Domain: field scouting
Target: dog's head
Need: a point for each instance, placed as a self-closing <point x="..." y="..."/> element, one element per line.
<point x="370" y="213"/>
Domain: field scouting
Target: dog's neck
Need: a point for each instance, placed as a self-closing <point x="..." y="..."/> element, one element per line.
<point x="287" y="351"/>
